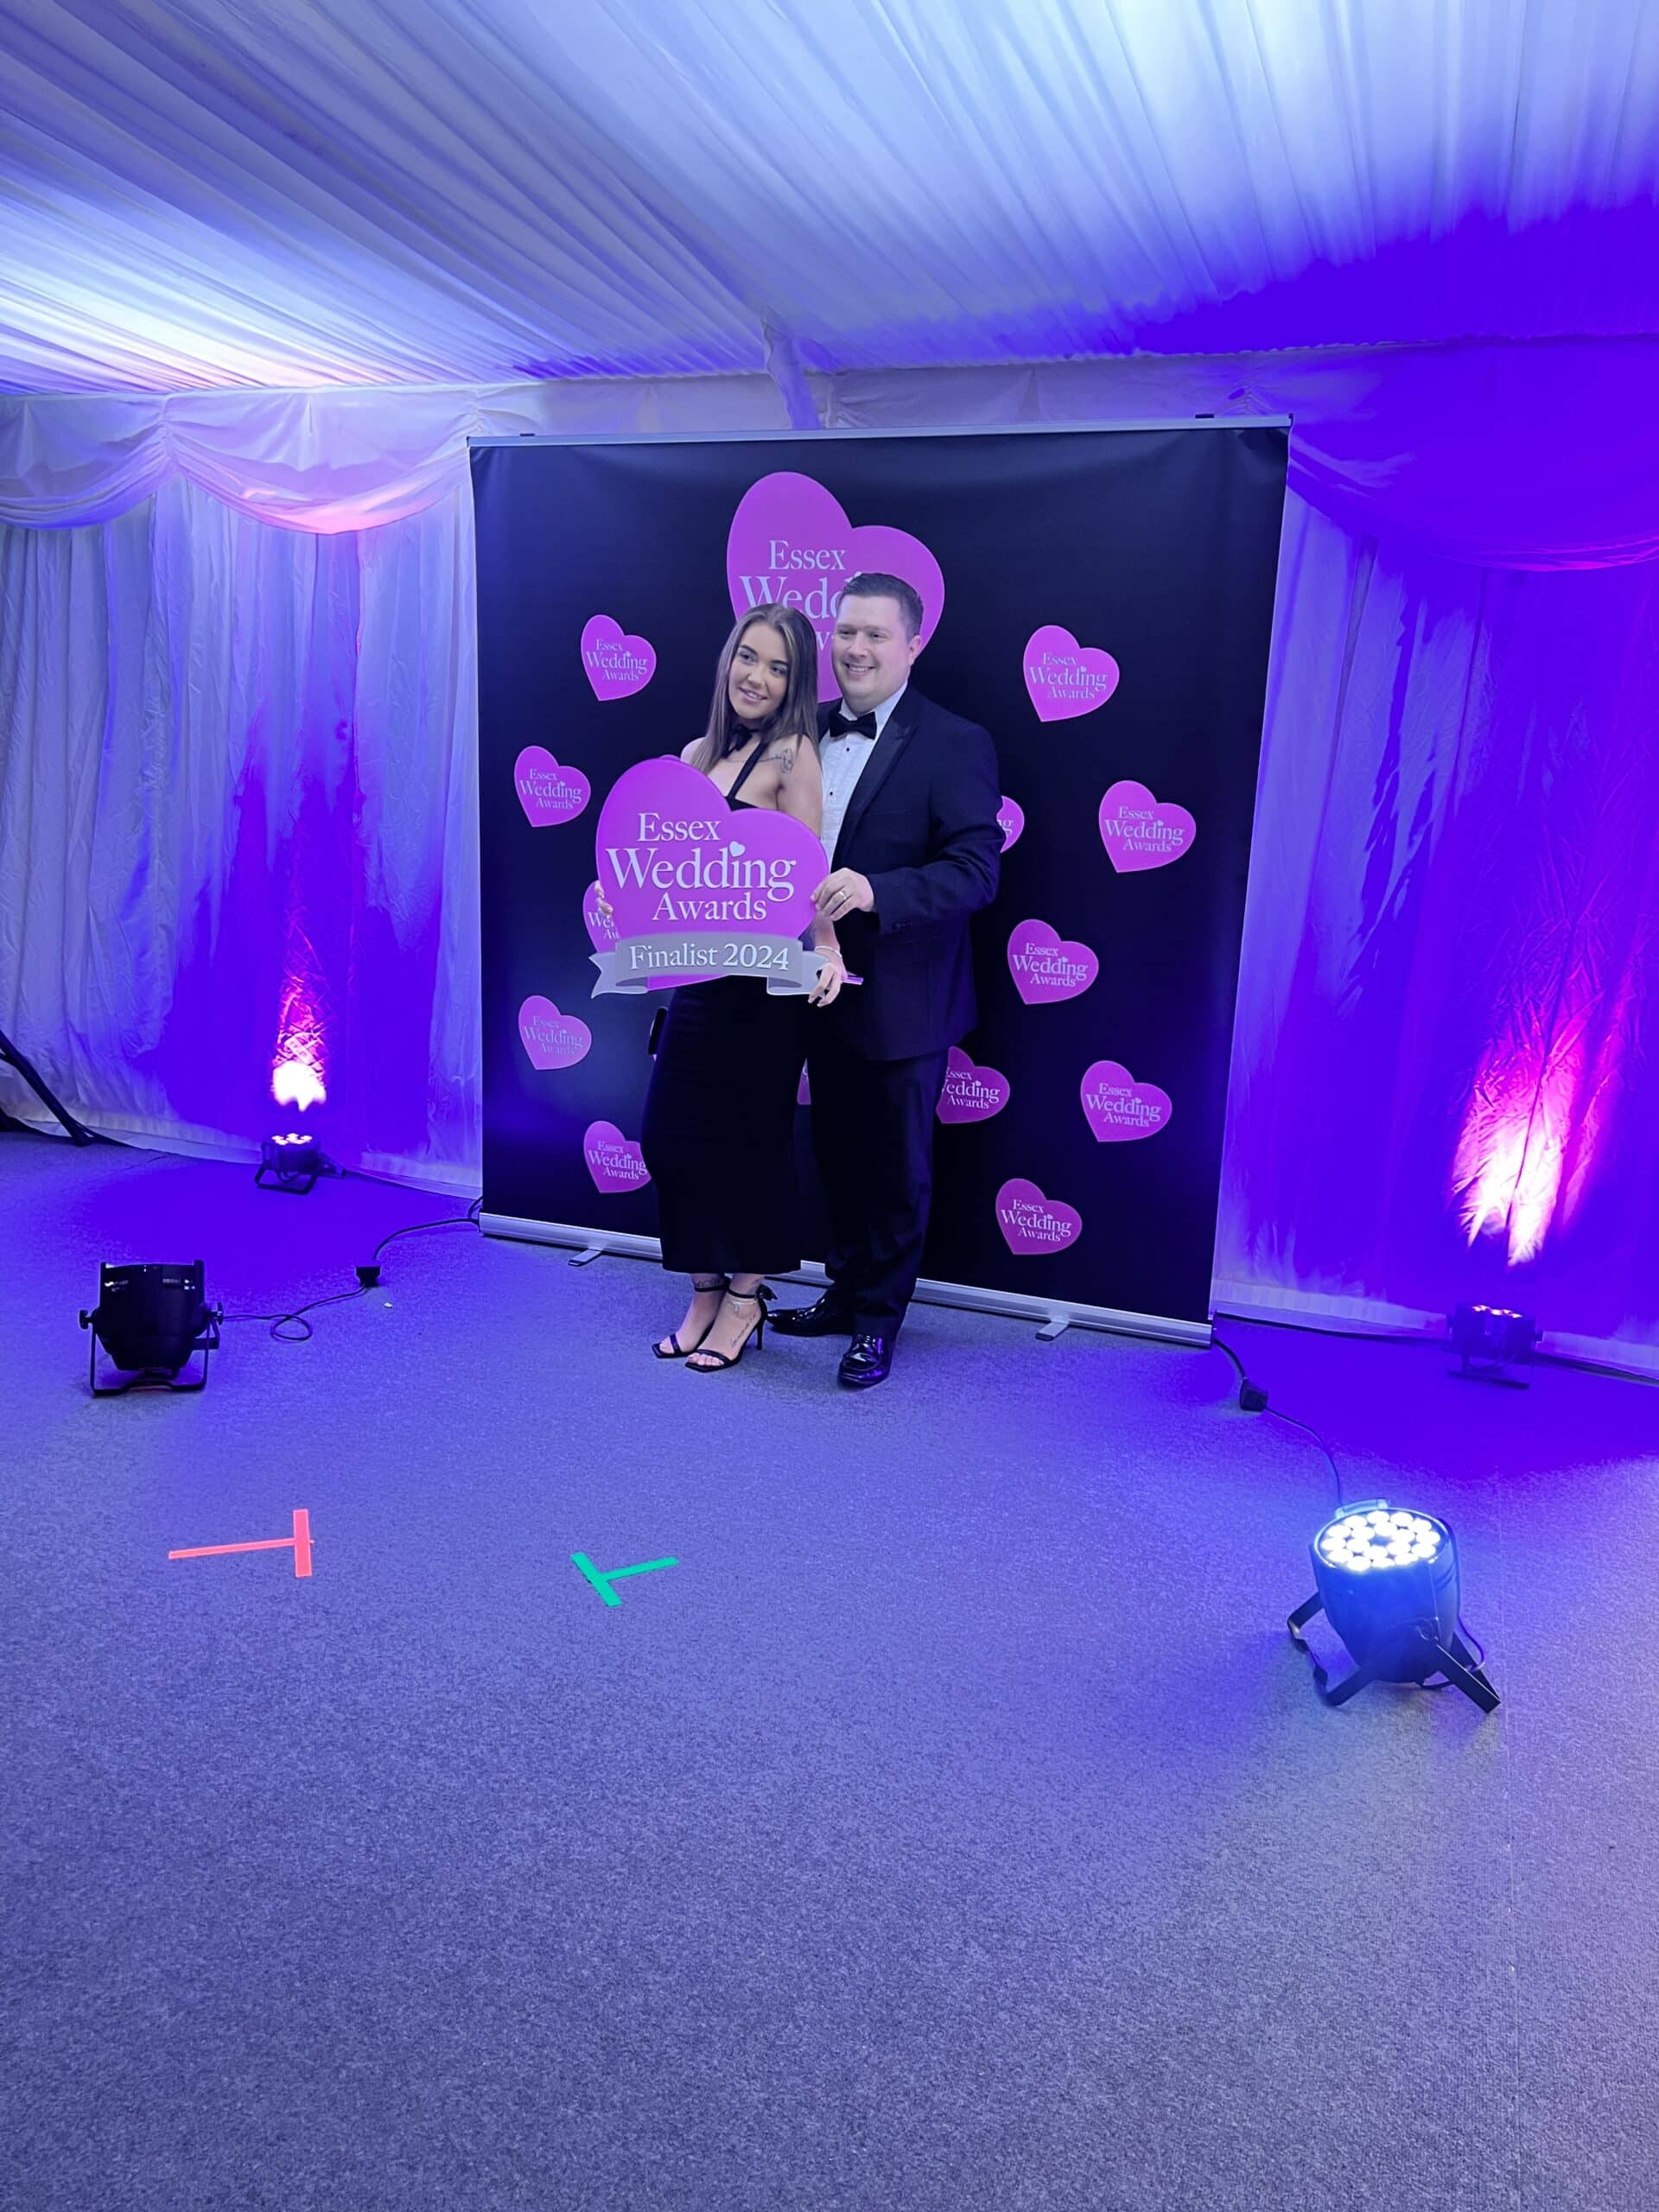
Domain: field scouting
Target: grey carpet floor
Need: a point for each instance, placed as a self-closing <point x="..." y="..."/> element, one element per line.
<point x="953" y="1827"/>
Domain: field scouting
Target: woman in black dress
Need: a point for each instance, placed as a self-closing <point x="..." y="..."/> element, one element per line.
<point x="720" y="1117"/>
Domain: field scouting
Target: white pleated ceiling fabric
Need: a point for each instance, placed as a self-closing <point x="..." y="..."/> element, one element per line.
<point x="303" y="193"/>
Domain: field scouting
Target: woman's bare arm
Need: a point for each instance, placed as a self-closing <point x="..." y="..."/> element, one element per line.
<point x="800" y="782"/>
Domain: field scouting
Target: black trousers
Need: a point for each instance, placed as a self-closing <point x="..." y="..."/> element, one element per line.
<point x="872" y="1136"/>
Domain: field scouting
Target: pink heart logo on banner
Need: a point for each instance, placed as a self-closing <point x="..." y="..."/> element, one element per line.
<point x="1117" y="1107"/>
<point x="617" y="664"/>
<point x="672" y="855"/>
<point x="791" y="543"/>
<point x="546" y="793"/>
<point x="551" y="1038"/>
<point x="1064" y="677"/>
<point x="970" y="1094"/>
<point x="601" y="934"/>
<point x="1011" y="821"/>
<point x="1046" y="966"/>
<point x="614" y="1161"/>
<point x="1138" y="832"/>
<point x="1031" y="1222"/>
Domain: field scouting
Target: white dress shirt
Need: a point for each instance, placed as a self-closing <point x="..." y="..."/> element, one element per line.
<point x="842" y="759"/>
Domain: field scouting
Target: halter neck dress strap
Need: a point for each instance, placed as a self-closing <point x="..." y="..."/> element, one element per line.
<point x="743" y="772"/>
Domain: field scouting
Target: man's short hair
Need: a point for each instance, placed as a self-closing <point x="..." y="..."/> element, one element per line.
<point x="874" y="583"/>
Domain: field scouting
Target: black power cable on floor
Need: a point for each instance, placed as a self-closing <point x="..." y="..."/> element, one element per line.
<point x="1253" y="1399"/>
<point x="368" y="1275"/>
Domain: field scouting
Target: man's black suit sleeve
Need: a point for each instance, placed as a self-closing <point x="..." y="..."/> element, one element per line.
<point x="960" y="875"/>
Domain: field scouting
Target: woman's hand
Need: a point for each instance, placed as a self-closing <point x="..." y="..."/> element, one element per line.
<point x="831" y="975"/>
<point x="606" y="911"/>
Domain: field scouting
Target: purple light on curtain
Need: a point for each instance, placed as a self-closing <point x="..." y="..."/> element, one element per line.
<point x="1446" y="1083"/>
<point x="1542" y="1103"/>
<point x="1578" y="881"/>
<point x="300" y="1065"/>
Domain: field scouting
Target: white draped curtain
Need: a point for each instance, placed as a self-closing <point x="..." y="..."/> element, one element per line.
<point x="238" y="763"/>
<point x="340" y="192"/>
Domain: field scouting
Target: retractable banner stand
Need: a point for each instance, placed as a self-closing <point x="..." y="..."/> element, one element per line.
<point x="1101" y="600"/>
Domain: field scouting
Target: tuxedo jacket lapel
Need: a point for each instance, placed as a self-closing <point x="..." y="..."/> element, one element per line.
<point x="891" y="743"/>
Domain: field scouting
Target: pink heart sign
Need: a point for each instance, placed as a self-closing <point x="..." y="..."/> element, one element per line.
<point x="1031" y="1222"/>
<point x="791" y="543"/>
<point x="601" y="934"/>
<point x="1046" y="966"/>
<point x="546" y="793"/>
<point x="697" y="890"/>
<point x="1011" y="821"/>
<point x="970" y="1094"/>
<point x="1117" y="1107"/>
<point x="1064" y="677"/>
<point x="1139" y="833"/>
<point x="551" y="1038"/>
<point x="614" y="1161"/>
<point x="616" y="664"/>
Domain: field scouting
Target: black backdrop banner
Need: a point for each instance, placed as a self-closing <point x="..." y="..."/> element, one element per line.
<point x="1102" y="601"/>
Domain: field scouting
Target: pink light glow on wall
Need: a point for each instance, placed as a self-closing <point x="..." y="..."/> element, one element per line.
<point x="297" y="1084"/>
<point x="299" y="1066"/>
<point x="1509" y="1175"/>
<point x="1533" y="1128"/>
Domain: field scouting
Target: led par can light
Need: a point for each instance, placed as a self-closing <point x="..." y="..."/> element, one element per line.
<point x="150" y="1319"/>
<point x="1379" y="1573"/>
<point x="291" y="1161"/>
<point x="1386" y="1579"/>
<point x="1488" y="1339"/>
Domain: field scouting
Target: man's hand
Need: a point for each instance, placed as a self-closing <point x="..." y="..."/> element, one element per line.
<point x="844" y="892"/>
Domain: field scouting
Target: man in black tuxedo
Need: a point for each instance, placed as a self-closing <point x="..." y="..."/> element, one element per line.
<point x="910" y="807"/>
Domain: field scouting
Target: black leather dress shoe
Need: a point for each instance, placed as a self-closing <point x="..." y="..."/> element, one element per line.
<point x="826" y="1317"/>
<point x="866" y="1360"/>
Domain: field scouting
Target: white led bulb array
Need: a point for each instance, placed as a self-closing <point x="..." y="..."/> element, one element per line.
<point x="1362" y="1542"/>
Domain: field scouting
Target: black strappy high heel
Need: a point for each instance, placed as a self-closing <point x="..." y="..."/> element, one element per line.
<point x="718" y="1361"/>
<point x="684" y="1351"/>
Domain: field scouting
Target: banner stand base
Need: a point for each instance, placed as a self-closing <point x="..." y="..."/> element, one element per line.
<point x="1054" y="1319"/>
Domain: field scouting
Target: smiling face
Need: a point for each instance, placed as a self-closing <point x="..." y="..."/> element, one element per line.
<point x="759" y="675"/>
<point x="873" y="651"/>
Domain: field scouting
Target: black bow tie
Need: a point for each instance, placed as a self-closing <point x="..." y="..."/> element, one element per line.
<point x="841" y="724"/>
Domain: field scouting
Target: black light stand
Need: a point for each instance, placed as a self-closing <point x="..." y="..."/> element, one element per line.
<point x="73" y="1129"/>
<point x="1429" y="1655"/>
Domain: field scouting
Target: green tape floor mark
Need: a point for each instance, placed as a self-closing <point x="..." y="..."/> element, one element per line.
<point x="603" y="1582"/>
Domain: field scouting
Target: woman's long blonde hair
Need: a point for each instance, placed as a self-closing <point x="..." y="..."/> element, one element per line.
<point x="799" y="714"/>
